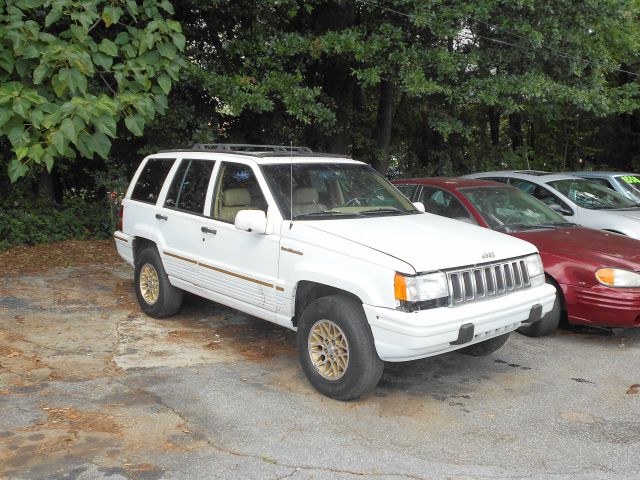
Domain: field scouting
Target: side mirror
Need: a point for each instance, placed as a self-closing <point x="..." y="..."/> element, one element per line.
<point x="251" y="221"/>
<point x="419" y="206"/>
<point x="561" y="210"/>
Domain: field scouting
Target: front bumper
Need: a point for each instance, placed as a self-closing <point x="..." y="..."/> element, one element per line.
<point x="401" y="336"/>
<point x="603" y="306"/>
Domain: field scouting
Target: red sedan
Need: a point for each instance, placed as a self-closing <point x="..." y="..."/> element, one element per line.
<point x="596" y="273"/>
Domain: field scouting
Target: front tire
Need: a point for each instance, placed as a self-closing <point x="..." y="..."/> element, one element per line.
<point x="486" y="347"/>
<point x="156" y="296"/>
<point x="549" y="323"/>
<point x="336" y="348"/>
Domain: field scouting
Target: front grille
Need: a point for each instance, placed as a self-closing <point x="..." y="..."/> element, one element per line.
<point x="487" y="281"/>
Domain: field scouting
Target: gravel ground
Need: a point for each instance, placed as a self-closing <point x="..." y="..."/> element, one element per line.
<point x="90" y="388"/>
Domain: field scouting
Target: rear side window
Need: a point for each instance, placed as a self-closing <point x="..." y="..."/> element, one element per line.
<point x="151" y="179"/>
<point x="189" y="187"/>
<point x="407" y="190"/>
<point x="602" y="181"/>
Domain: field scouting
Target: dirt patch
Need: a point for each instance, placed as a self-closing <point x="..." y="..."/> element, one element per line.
<point x="27" y="259"/>
<point x="125" y="297"/>
<point x="256" y="341"/>
<point x="634" y="389"/>
<point x="70" y="418"/>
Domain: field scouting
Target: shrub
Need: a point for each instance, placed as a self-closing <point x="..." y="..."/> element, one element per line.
<point x="32" y="221"/>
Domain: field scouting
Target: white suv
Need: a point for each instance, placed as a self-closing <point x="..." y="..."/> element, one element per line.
<point x="361" y="273"/>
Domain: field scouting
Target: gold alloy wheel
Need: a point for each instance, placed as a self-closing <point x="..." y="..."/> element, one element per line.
<point x="149" y="283"/>
<point x="328" y="349"/>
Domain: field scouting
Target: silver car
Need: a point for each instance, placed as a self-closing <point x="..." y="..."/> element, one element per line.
<point x="580" y="201"/>
<point x="626" y="184"/>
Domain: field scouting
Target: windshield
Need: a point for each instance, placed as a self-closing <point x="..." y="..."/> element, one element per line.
<point x="631" y="186"/>
<point x="505" y="208"/>
<point x="335" y="190"/>
<point x="590" y="195"/>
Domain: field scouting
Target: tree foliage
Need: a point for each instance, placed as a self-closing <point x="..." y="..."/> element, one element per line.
<point x="71" y="70"/>
<point x="428" y="87"/>
<point x="440" y="86"/>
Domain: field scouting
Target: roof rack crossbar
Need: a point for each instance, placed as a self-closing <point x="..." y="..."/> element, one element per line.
<point x="242" y="147"/>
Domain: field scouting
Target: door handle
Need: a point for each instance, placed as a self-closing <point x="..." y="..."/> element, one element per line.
<point x="161" y="217"/>
<point x="208" y="230"/>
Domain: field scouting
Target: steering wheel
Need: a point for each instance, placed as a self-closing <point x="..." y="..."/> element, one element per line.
<point x="512" y="218"/>
<point x="355" y="202"/>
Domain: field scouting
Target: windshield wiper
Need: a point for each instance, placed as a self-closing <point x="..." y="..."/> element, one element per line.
<point x="630" y="207"/>
<point x="392" y="210"/>
<point x="556" y="224"/>
<point x="326" y="213"/>
<point x="514" y="227"/>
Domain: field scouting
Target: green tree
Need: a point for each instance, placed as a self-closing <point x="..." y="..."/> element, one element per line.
<point x="71" y="70"/>
<point x="457" y="84"/>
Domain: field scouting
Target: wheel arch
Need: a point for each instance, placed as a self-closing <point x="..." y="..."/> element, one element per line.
<point x="550" y="279"/>
<point x="614" y="231"/>
<point x="139" y="244"/>
<point x="307" y="291"/>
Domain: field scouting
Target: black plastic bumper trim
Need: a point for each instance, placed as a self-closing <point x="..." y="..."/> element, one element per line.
<point x="534" y="315"/>
<point x="465" y="334"/>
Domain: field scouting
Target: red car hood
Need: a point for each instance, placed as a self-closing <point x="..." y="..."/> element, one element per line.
<point x="586" y="246"/>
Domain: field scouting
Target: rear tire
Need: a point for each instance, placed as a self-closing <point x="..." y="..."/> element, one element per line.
<point x="486" y="347"/>
<point x="336" y="348"/>
<point x="156" y="296"/>
<point x="549" y="323"/>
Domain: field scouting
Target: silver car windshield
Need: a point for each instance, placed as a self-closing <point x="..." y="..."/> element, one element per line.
<point x="334" y="190"/>
<point x="630" y="184"/>
<point x="509" y="209"/>
<point x="590" y="195"/>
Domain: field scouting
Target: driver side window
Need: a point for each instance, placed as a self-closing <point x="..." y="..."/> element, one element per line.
<point x="236" y="189"/>
<point x="545" y="196"/>
<point x="445" y="204"/>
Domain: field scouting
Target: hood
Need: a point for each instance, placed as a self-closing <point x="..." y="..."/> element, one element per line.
<point x="427" y="242"/>
<point x="585" y="245"/>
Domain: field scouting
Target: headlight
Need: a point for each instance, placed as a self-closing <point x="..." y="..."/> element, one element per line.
<point x="421" y="291"/>
<point x="615" y="277"/>
<point x="535" y="269"/>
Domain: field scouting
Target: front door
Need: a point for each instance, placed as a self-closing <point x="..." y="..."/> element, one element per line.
<point x="236" y="263"/>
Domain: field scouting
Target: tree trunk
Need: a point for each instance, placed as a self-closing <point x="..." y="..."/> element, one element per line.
<point x="515" y="130"/>
<point x="384" y="123"/>
<point x="49" y="186"/>
<point x="494" y="125"/>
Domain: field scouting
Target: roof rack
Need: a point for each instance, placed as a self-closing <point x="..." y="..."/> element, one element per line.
<point x="242" y="147"/>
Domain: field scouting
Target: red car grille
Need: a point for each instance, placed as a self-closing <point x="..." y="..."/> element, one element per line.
<point x="605" y="300"/>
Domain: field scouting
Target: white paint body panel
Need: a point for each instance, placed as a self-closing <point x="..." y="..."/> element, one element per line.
<point x="259" y="273"/>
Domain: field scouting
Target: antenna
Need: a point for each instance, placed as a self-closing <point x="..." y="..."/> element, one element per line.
<point x="291" y="184"/>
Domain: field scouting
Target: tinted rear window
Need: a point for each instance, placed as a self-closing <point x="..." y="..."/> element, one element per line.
<point x="151" y="179"/>
<point x="189" y="187"/>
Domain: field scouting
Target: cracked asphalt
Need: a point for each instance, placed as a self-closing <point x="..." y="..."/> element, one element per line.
<point x="91" y="388"/>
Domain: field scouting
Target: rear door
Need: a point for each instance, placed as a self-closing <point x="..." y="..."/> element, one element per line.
<point x="141" y="203"/>
<point x="181" y="216"/>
